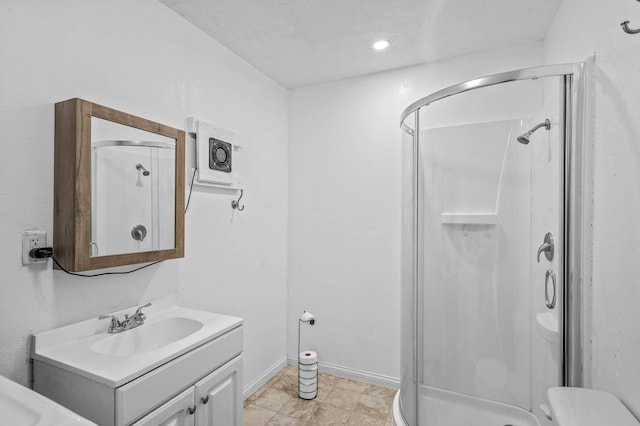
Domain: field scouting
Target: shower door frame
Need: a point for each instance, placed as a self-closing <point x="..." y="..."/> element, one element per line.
<point x="574" y="191"/>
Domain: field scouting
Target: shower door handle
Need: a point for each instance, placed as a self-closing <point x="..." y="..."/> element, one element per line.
<point x="546" y="247"/>
<point x="550" y="302"/>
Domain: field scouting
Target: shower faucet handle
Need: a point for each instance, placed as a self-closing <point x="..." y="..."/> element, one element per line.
<point x="547" y="247"/>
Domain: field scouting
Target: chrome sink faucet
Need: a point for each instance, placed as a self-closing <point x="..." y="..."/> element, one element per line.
<point x="130" y="321"/>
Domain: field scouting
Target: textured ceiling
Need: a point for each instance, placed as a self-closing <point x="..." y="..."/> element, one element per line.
<point x="303" y="42"/>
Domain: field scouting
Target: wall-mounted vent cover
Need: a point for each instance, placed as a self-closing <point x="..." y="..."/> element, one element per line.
<point x="218" y="155"/>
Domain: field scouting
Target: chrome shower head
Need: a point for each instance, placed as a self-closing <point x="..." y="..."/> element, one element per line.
<point x="524" y="138"/>
<point x="145" y="172"/>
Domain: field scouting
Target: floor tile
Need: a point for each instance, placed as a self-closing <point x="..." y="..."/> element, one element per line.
<point x="390" y="416"/>
<point x="286" y="383"/>
<point x="328" y="415"/>
<point x="272" y="399"/>
<point x="300" y="408"/>
<point x="323" y="392"/>
<point x="381" y="392"/>
<point x="282" y="420"/>
<point x="373" y="406"/>
<point x="327" y="379"/>
<point x="291" y="370"/>
<point x="339" y="401"/>
<point x="257" y="416"/>
<point x="274" y="379"/>
<point x="255" y="395"/>
<point x="357" y="419"/>
<point x="342" y="398"/>
<point x="351" y="385"/>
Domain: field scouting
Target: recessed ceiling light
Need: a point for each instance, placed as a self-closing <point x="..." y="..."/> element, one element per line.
<point x="381" y="44"/>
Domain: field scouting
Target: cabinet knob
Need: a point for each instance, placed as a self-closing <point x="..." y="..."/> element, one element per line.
<point x="205" y="399"/>
<point x="191" y="410"/>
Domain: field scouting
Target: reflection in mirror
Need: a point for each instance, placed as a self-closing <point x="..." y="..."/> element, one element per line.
<point x="132" y="190"/>
<point x="118" y="194"/>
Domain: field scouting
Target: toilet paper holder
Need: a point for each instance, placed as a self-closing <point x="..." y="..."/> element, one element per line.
<point x="307" y="317"/>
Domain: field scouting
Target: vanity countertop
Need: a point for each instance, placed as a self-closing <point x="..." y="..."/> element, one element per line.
<point x="87" y="349"/>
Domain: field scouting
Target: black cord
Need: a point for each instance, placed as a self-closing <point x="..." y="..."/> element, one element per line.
<point x="133" y="270"/>
<point x="102" y="273"/>
<point x="191" y="189"/>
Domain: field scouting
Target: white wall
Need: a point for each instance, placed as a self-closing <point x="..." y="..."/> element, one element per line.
<point x="344" y="175"/>
<point x="142" y="58"/>
<point x="352" y="126"/>
<point x="582" y="28"/>
<point x="344" y="208"/>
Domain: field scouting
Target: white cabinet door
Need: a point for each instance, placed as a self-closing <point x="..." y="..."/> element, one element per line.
<point x="219" y="396"/>
<point x="175" y="412"/>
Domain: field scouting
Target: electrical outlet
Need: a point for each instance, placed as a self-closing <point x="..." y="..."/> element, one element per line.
<point x="33" y="239"/>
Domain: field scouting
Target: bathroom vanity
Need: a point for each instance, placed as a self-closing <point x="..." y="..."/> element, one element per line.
<point x="181" y="367"/>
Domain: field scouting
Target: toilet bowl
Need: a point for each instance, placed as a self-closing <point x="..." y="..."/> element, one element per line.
<point x="587" y="407"/>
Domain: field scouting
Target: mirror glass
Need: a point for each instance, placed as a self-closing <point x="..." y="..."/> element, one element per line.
<point x="133" y="190"/>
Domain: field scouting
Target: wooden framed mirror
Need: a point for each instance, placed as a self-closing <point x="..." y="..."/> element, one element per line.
<point x="118" y="188"/>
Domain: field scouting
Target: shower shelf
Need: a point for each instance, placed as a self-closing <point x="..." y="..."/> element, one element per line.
<point x="469" y="218"/>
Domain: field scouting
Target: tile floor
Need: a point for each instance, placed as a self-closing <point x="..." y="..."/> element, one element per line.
<point x="339" y="402"/>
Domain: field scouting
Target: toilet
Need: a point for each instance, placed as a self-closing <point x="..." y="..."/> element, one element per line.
<point x="587" y="407"/>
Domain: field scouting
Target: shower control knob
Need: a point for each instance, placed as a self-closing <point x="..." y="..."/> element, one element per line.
<point x="547" y="247"/>
<point x="138" y="233"/>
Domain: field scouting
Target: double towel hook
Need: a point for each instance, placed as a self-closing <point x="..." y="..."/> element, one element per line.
<point x="627" y="29"/>
<point x="235" y="204"/>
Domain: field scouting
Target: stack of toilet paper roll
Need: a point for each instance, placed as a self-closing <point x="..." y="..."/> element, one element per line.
<point x="308" y="374"/>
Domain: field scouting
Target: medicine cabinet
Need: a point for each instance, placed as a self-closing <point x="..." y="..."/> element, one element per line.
<point x="118" y="188"/>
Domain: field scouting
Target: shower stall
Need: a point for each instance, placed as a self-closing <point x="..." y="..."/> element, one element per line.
<point x="492" y="248"/>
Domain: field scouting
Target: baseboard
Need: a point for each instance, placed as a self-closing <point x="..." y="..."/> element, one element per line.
<point x="252" y="387"/>
<point x="354" y="374"/>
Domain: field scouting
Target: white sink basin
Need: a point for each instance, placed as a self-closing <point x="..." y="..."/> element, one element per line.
<point x="147" y="337"/>
<point x="21" y="406"/>
<point x="86" y="348"/>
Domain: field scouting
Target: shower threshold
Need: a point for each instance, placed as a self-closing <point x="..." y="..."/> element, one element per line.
<point x="437" y="407"/>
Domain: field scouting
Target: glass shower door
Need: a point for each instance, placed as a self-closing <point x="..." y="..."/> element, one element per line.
<point x="487" y="349"/>
<point x="408" y="404"/>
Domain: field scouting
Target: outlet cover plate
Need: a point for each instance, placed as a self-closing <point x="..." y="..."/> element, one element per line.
<point x="31" y="239"/>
